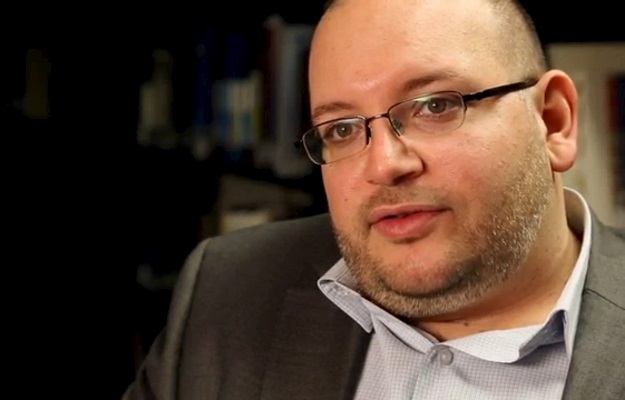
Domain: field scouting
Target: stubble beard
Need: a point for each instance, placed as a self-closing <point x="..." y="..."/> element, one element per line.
<point x="482" y="257"/>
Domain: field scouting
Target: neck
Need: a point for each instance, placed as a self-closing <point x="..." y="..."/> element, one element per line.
<point x="525" y="299"/>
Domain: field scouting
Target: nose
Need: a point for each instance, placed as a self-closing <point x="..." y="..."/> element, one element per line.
<point x="390" y="159"/>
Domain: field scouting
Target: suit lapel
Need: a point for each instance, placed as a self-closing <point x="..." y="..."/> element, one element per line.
<point x="598" y="363"/>
<point x="598" y="360"/>
<point x="318" y="351"/>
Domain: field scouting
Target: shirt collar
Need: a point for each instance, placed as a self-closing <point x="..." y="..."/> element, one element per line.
<point x="579" y="220"/>
<point x="339" y="285"/>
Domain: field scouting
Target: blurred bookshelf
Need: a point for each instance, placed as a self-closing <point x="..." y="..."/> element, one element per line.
<point x="598" y="70"/>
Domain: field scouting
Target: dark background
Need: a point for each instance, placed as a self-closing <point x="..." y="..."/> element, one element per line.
<point x="77" y="196"/>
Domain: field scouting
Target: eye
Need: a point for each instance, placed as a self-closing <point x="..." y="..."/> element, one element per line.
<point x="435" y="112"/>
<point x="439" y="104"/>
<point x="342" y="130"/>
<point x="339" y="131"/>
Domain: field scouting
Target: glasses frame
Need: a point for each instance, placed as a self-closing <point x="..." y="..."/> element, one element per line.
<point x="466" y="98"/>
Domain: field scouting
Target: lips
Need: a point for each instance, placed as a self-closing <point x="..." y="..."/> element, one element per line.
<point x="404" y="221"/>
<point x="401" y="211"/>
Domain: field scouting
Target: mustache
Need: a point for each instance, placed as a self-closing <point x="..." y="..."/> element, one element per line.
<point x="387" y="196"/>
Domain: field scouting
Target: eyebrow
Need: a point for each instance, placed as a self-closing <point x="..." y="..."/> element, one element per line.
<point x="421" y="82"/>
<point x="409" y="86"/>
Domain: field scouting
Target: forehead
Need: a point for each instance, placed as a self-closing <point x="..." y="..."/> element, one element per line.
<point x="366" y="44"/>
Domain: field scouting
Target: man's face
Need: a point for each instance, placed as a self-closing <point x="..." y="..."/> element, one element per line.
<point x="428" y="224"/>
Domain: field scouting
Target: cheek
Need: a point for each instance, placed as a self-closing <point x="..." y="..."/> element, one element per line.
<point x="341" y="189"/>
<point x="456" y="166"/>
<point x="468" y="170"/>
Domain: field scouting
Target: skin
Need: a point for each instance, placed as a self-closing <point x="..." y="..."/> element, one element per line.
<point x="494" y="251"/>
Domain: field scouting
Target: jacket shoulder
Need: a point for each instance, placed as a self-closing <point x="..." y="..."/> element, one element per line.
<point x="606" y="273"/>
<point x="272" y="245"/>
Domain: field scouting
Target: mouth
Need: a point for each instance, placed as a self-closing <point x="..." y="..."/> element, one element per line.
<point x="404" y="222"/>
<point x="387" y="213"/>
<point x="397" y="216"/>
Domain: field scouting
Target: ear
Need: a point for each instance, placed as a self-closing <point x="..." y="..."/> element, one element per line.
<point x="557" y="105"/>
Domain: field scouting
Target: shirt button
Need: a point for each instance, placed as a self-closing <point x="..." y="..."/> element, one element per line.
<point x="445" y="356"/>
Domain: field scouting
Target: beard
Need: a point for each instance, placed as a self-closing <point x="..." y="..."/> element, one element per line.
<point x="483" y="255"/>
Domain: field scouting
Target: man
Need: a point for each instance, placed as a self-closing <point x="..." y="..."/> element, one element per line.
<point x="453" y="264"/>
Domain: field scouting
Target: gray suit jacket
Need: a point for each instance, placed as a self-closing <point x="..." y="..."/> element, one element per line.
<point x="247" y="321"/>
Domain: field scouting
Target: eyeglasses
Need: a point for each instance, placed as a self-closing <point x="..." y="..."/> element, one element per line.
<point x="438" y="112"/>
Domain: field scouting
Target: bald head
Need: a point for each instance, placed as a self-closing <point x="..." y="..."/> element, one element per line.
<point x="518" y="43"/>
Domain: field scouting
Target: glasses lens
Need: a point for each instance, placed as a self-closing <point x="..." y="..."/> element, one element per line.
<point x="435" y="113"/>
<point x="335" y="140"/>
<point x="313" y="146"/>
